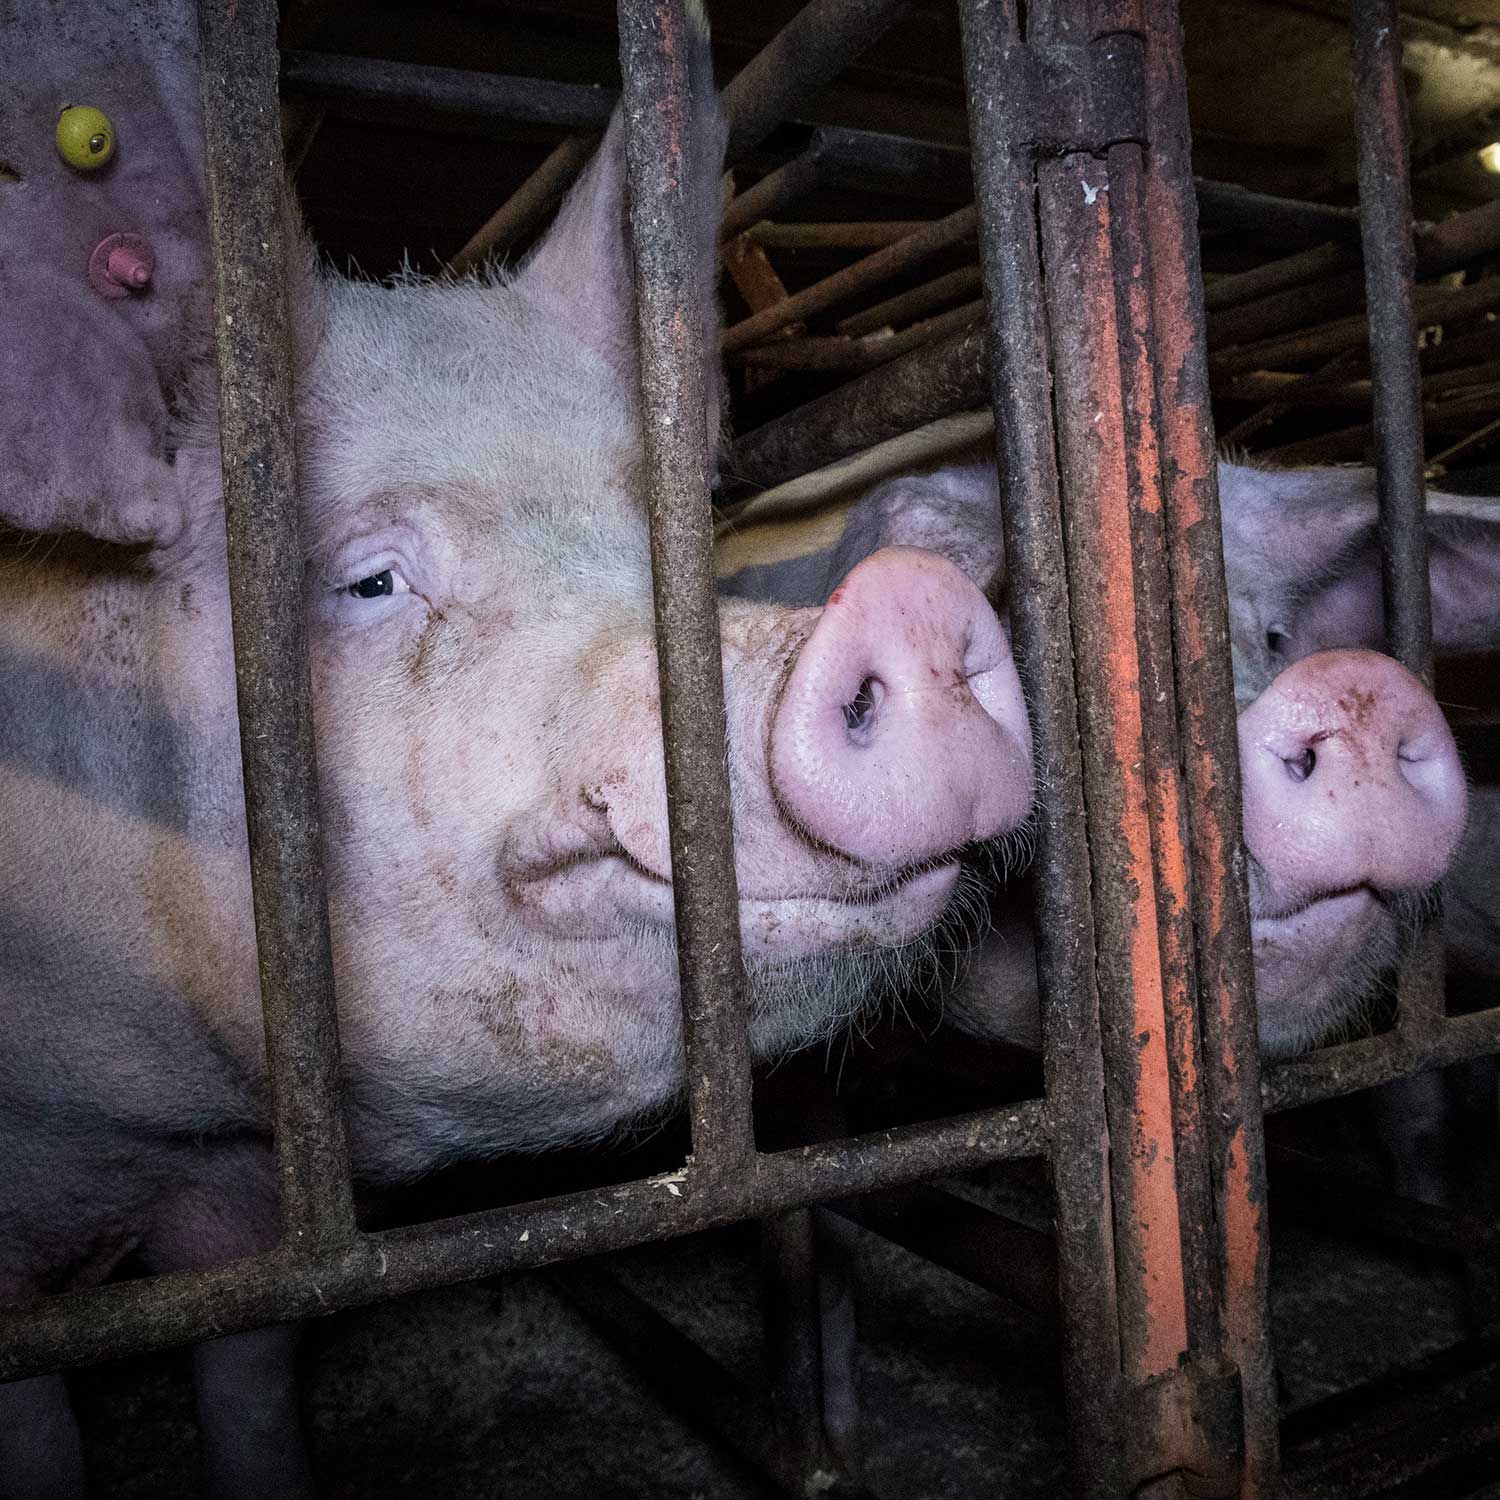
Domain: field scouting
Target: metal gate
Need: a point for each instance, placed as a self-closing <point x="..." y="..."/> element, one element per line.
<point x="1152" y="1119"/>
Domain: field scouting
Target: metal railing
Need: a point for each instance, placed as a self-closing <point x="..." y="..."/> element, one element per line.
<point x="1098" y="381"/>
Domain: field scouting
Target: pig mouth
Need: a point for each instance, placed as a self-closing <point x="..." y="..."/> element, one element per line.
<point x="614" y="897"/>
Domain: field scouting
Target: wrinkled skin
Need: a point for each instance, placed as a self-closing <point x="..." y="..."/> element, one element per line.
<point x="1333" y="898"/>
<point x="478" y="603"/>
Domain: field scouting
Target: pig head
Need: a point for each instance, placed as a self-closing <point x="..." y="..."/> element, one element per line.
<point x="1354" y="798"/>
<point x="478" y="598"/>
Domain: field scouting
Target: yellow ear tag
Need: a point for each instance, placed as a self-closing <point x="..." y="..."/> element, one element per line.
<point x="85" y="137"/>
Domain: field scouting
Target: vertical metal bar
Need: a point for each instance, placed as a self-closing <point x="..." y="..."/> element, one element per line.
<point x="1210" y="744"/>
<point x="1097" y="534"/>
<point x="656" y="49"/>
<point x="794" y="1351"/>
<point x="1166" y="794"/>
<point x="1384" y="166"/>
<point x="1078" y="1131"/>
<point x="1390" y="265"/>
<point x="270" y="648"/>
<point x="815" y="46"/>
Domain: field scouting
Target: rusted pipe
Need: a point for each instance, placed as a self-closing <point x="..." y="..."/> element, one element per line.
<point x="257" y="446"/>
<point x="654" y="50"/>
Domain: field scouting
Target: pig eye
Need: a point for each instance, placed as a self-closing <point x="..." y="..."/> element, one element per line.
<point x="1276" y="641"/>
<point x="378" y="585"/>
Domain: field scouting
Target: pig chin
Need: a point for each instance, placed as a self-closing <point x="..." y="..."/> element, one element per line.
<point x="612" y="898"/>
<point x="1318" y="965"/>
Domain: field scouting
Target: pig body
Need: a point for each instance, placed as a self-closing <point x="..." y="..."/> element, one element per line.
<point x="484" y="677"/>
<point x="1354" y="800"/>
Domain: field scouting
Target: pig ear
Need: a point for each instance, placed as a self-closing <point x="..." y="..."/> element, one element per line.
<point x="1306" y="543"/>
<point x="582" y="271"/>
<point x="953" y="511"/>
<point x="103" y="269"/>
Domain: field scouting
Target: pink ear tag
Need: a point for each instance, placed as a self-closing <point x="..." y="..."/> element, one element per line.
<point x="121" y="264"/>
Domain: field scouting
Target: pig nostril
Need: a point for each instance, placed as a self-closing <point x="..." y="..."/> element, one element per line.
<point x="1300" y="766"/>
<point x="859" y="712"/>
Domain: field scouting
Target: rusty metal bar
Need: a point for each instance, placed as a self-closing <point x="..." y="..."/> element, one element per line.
<point x="863" y="274"/>
<point x="1005" y="1257"/>
<point x="812" y="49"/>
<point x="954" y="287"/>
<point x="1278" y="275"/>
<point x="854" y="234"/>
<point x="1384" y="169"/>
<point x="935" y="381"/>
<point x="1165" y="791"/>
<point x="656" y="51"/>
<point x="1077" y="1128"/>
<point x="1287" y="221"/>
<point x="253" y="346"/>
<point x="794" y="1345"/>
<point x="127" y="1317"/>
<point x="775" y="191"/>
<point x="542" y="191"/>
<point x="1075" y="192"/>
<point x="1332" y="1071"/>
<point x="1390" y="265"/>
<point x="1210" y="747"/>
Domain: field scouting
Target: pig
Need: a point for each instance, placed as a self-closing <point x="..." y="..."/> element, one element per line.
<point x="477" y="590"/>
<point x="1325" y="723"/>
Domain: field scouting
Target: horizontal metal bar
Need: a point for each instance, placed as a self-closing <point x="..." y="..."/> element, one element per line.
<point x="935" y="381"/>
<point x="1333" y="1071"/>
<point x="495" y="98"/>
<point x="956" y="286"/>
<point x="863" y="274"/>
<point x="128" y="1317"/>
<point x="253" y="344"/>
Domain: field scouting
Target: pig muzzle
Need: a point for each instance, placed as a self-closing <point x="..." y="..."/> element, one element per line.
<point x="1351" y="781"/>
<point x="901" y="733"/>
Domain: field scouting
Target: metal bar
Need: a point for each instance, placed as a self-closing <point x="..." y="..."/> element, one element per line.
<point x="1165" y="791"/>
<point x="1209" y="742"/>
<point x="1288" y="221"/>
<point x="253" y="346"/>
<point x="1433" y="305"/>
<point x="1077" y="1127"/>
<point x="855" y="234"/>
<point x="999" y="1254"/>
<point x="812" y="49"/>
<point x="1390" y="265"/>
<point x="938" y="380"/>
<point x="1295" y="307"/>
<point x="1097" y="535"/>
<point x="404" y="88"/>
<point x="794" y="1344"/>
<point x="542" y="191"/>
<point x="682" y="1374"/>
<point x="863" y="274"/>
<point x="127" y="1317"/>
<point x="1278" y="275"/>
<point x="857" y="354"/>
<point x="656" y="51"/>
<point x="1332" y="1071"/>
<point x="775" y="191"/>
<point x="956" y="286"/>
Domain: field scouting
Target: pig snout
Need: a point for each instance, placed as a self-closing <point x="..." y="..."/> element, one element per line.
<point x="901" y="732"/>
<point x="1351" y="779"/>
